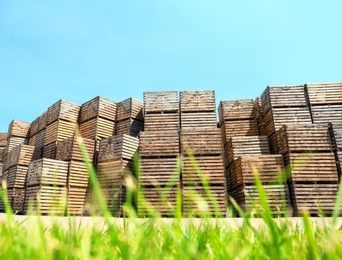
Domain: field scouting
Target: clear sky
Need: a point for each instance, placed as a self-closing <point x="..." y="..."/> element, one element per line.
<point x="76" y="50"/>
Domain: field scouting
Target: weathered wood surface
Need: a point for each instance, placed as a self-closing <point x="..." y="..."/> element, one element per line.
<point x="313" y="197"/>
<point x="283" y="96"/>
<point x="97" y="128"/>
<point x="309" y="167"/>
<point x="325" y="93"/>
<point x="327" y="113"/>
<point x="129" y="126"/>
<point x="68" y="149"/>
<point x="42" y="122"/>
<point x="159" y="171"/>
<point x="111" y="173"/>
<point x="239" y="128"/>
<point x="18" y="128"/>
<point x="269" y="167"/>
<point x="34" y="127"/>
<point x="162" y="121"/>
<point x="49" y="151"/>
<point x="130" y="108"/>
<point x="17" y="176"/>
<point x="16" y="199"/>
<point x="76" y="200"/>
<point x="337" y="133"/>
<point x="277" y="117"/>
<point x="98" y="106"/>
<point x="78" y="175"/>
<point x="161" y="101"/>
<point x="236" y="109"/>
<point x="3" y="139"/>
<point x="59" y="130"/>
<point x="300" y="138"/>
<point x="197" y="100"/>
<point x="22" y="154"/>
<point x="209" y="168"/>
<point x="63" y="110"/>
<point x="123" y="146"/>
<point x="190" y="120"/>
<point x="198" y="141"/>
<point x="159" y="143"/>
<point x="246" y="145"/>
<point x="14" y="141"/>
<point x="47" y="172"/>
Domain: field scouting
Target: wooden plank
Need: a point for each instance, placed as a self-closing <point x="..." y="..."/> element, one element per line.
<point x="239" y="128"/>
<point x="78" y="175"/>
<point x="16" y="198"/>
<point x="236" y="110"/>
<point x="197" y="100"/>
<point x="42" y="122"/>
<point x="68" y="149"/>
<point x="190" y="120"/>
<point x="63" y="110"/>
<point x="49" y="151"/>
<point x="34" y="127"/>
<point x="161" y="101"/>
<point x="22" y="154"/>
<point x="18" y="128"/>
<point x="115" y="197"/>
<point x="130" y="108"/>
<point x="325" y="93"/>
<point x="17" y="176"/>
<point x="311" y="167"/>
<point x="98" y="106"/>
<point x="159" y="143"/>
<point x="3" y="139"/>
<point x="76" y="200"/>
<point x="162" y="121"/>
<point x="327" y="113"/>
<point x="59" y="130"/>
<point x="97" y="128"/>
<point x="129" y="126"/>
<point x="337" y="133"/>
<point x="111" y="173"/>
<point x="14" y="141"/>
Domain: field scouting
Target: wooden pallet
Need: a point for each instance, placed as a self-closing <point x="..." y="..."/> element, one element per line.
<point x="210" y="168"/>
<point x="300" y="138"/>
<point x="78" y="175"/>
<point x="97" y="128"/>
<point x="327" y="113"/>
<point x="277" y="117"/>
<point x="158" y="171"/>
<point x="325" y="93"/>
<point x="76" y="200"/>
<point x="47" y="172"/>
<point x="34" y="127"/>
<point x="236" y="110"/>
<point x="283" y="96"/>
<point x="49" y="151"/>
<point x="336" y="132"/>
<point x="43" y="121"/>
<point x="190" y="120"/>
<point x="269" y="167"/>
<point x="98" y="106"/>
<point x="17" y="176"/>
<point x="59" y="130"/>
<point x="68" y="149"/>
<point x="246" y="145"/>
<point x="129" y="126"/>
<point x="194" y="199"/>
<point x="197" y="100"/>
<point x="159" y="143"/>
<point x="22" y="154"/>
<point x="239" y="128"/>
<point x="313" y="197"/>
<point x="319" y="167"/>
<point x="162" y="101"/>
<point x="130" y="108"/>
<point x="201" y="141"/>
<point x="18" y="128"/>
<point x="6" y="162"/>
<point x="164" y="121"/>
<point x="14" y="141"/>
<point x="115" y="197"/>
<point x="111" y="173"/>
<point x="16" y="198"/>
<point x="3" y="139"/>
<point x="63" y="110"/>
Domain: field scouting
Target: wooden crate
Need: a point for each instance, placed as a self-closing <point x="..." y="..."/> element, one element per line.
<point x="161" y="101"/>
<point x="78" y="175"/>
<point x="300" y="138"/>
<point x="194" y="199"/>
<point x="157" y="200"/>
<point x="201" y="141"/>
<point x="159" y="143"/>
<point x="18" y="128"/>
<point x="123" y="146"/>
<point x="14" y="141"/>
<point x="197" y="100"/>
<point x="313" y="197"/>
<point x="210" y="168"/>
<point x="159" y="171"/>
<point x="129" y="126"/>
<point x="22" y="154"/>
<point x="111" y="173"/>
<point x="63" y="110"/>
<point x="269" y="167"/>
<point x="190" y="120"/>
<point x="59" y="130"/>
<point x="246" y="145"/>
<point x="76" y="200"/>
<point x="130" y="108"/>
<point x="49" y="151"/>
<point x="248" y="199"/>
<point x="97" y="128"/>
<point x="3" y="139"/>
<point x="17" y="176"/>
<point x="34" y="127"/>
<point x="46" y="199"/>
<point x="283" y="96"/>
<point x="277" y="117"/>
<point x="16" y="198"/>
<point x="311" y="167"/>
<point x="98" y="106"/>
<point x="336" y="132"/>
<point x="324" y="93"/>
<point x="239" y="128"/>
<point x="236" y="110"/>
<point x="162" y="121"/>
<point x="327" y="113"/>
<point x="6" y="162"/>
<point x="47" y="172"/>
<point x="2" y="153"/>
<point x="43" y="121"/>
<point x="68" y="149"/>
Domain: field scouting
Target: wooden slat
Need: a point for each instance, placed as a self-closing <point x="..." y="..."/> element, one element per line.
<point x="42" y="122"/>
<point x="64" y="110"/>
<point x="325" y="93"/>
<point x="17" y="176"/>
<point x="110" y="173"/>
<point x="97" y="128"/>
<point x="162" y="121"/>
<point x="59" y="130"/>
<point x="159" y="143"/>
<point x="239" y="128"/>
<point x="327" y="113"/>
<point x="21" y="155"/>
<point x="236" y="110"/>
<point x="16" y="198"/>
<point x="14" y="141"/>
<point x="130" y="108"/>
<point x="76" y="200"/>
<point x="98" y="106"/>
<point x="18" y="128"/>
<point x="161" y="101"/>
<point x="78" y="175"/>
<point x="197" y="100"/>
<point x="34" y="127"/>
<point x="129" y="126"/>
<point x="49" y="151"/>
<point x="190" y="120"/>
<point x="115" y="197"/>
<point x="68" y="149"/>
<point x="337" y="133"/>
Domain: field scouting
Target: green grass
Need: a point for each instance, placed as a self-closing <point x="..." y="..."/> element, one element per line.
<point x="156" y="238"/>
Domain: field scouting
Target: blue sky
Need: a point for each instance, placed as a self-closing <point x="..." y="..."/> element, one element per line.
<point x="76" y="50"/>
